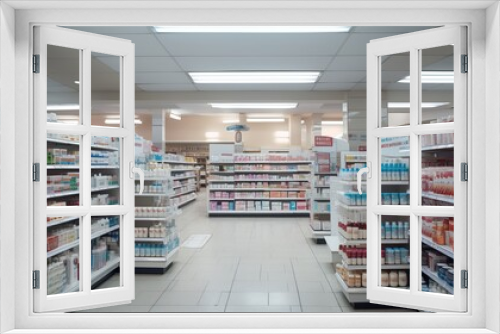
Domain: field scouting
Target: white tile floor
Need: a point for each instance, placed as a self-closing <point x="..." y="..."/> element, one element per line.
<point x="254" y="264"/>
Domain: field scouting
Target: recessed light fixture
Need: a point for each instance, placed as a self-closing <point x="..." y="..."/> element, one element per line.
<point x="250" y="77"/>
<point x="433" y="77"/>
<point x="115" y="121"/>
<point x="332" y="122"/>
<point x="63" y="107"/>
<point x="254" y="105"/>
<point x="175" y="116"/>
<point x="251" y="29"/>
<point x="392" y="105"/>
<point x="265" y="120"/>
<point x="77" y="82"/>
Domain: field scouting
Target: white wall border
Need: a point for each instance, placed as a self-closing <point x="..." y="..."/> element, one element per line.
<point x="7" y="156"/>
<point x="280" y="322"/>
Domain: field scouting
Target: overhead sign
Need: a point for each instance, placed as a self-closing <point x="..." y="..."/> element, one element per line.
<point x="323" y="141"/>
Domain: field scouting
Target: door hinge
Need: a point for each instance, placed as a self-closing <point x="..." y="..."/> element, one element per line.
<point x="36" y="63"/>
<point x="36" y="172"/>
<point x="465" y="64"/>
<point x="36" y="279"/>
<point x="464" y="171"/>
<point x="465" y="279"/>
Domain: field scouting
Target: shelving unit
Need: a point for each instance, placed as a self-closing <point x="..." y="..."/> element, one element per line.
<point x="63" y="188"/>
<point x="273" y="184"/>
<point x="437" y="190"/>
<point x="324" y="167"/>
<point x="186" y="174"/>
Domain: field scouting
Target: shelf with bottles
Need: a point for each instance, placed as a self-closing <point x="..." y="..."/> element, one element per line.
<point x="63" y="265"/>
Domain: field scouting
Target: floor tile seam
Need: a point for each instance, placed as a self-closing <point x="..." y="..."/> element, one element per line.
<point x="296" y="287"/>
<point x="232" y="284"/>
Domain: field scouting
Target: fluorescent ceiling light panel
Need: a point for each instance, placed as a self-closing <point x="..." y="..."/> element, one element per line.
<point x="175" y="116"/>
<point x="265" y="120"/>
<point x="251" y="29"/>
<point x="436" y="77"/>
<point x="392" y="105"/>
<point x="250" y="77"/>
<point x="114" y="121"/>
<point x="230" y="121"/>
<point x="332" y="122"/>
<point x="63" y="107"/>
<point x="254" y="105"/>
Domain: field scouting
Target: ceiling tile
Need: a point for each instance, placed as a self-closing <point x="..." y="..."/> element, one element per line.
<point x="359" y="86"/>
<point x="392" y="30"/>
<point x="348" y="63"/>
<point x="333" y="86"/>
<point x="252" y="63"/>
<point x="161" y="78"/>
<point x="356" y="44"/>
<point x="342" y="76"/>
<point x="259" y="45"/>
<point x="438" y="63"/>
<point x="255" y="87"/>
<point x="166" y="87"/>
<point x="145" y="44"/>
<point x="396" y="86"/>
<point x="396" y="63"/>
<point x="104" y="30"/>
<point x="154" y="64"/>
<point x="393" y="76"/>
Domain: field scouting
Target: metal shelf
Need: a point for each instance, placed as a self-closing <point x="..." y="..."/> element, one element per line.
<point x="76" y="243"/>
<point x="427" y="271"/>
<point x="272" y="180"/>
<point x="56" y="222"/>
<point x="257" y="189"/>
<point x="149" y="239"/>
<point x="272" y="171"/>
<point x="351" y="207"/>
<point x="271" y="199"/>
<point x="353" y="295"/>
<point x="76" y="192"/>
<point x="383" y="267"/>
<point x="437" y="197"/>
<point x="185" y="202"/>
<point x="271" y="162"/>
<point x="183" y="177"/>
<point x="343" y="240"/>
<point x="438" y="147"/>
<point x="259" y="212"/>
<point x="183" y="193"/>
<point x="446" y="250"/>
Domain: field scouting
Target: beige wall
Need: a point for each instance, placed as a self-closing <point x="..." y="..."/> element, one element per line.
<point x="194" y="128"/>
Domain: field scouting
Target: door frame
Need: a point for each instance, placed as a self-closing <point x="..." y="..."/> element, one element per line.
<point x="479" y="315"/>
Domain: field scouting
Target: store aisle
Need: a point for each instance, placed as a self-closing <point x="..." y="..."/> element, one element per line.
<point x="250" y="264"/>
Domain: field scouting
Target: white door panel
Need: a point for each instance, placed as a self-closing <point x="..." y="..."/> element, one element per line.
<point x="417" y="135"/>
<point x="84" y="204"/>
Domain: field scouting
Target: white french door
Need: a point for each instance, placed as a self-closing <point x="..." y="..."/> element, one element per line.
<point x="83" y="187"/>
<point x="417" y="201"/>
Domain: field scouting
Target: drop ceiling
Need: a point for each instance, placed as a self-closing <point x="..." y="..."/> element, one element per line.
<point x="163" y="61"/>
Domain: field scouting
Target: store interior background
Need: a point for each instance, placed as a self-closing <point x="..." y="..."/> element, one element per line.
<point x="335" y="106"/>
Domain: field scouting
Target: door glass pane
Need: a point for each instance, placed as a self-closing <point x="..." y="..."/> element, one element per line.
<point x="437" y="78"/>
<point x="395" y="90"/>
<point x="105" y="248"/>
<point x="105" y="182"/>
<point x="63" y="85"/>
<point x="63" y="254"/>
<point x="437" y="254"/>
<point x="437" y="169"/>
<point x="394" y="251"/>
<point x="394" y="171"/>
<point x="106" y="90"/>
<point x="63" y="170"/>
